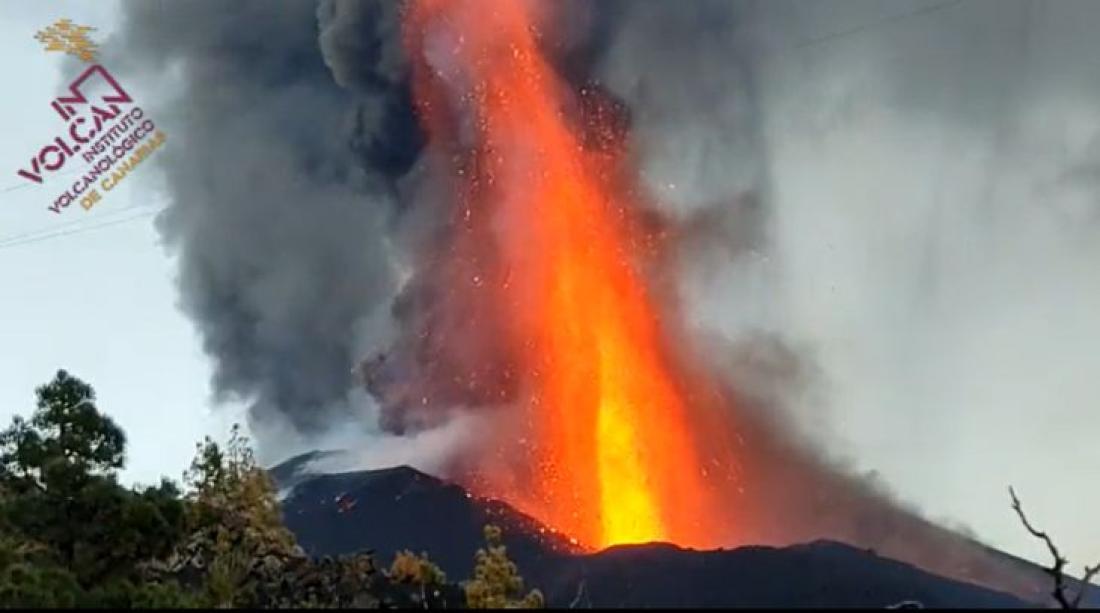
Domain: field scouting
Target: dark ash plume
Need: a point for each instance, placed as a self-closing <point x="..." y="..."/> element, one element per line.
<point x="361" y="44"/>
<point x="803" y="147"/>
<point x="281" y="171"/>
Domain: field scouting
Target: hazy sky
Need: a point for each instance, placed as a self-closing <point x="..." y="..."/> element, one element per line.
<point x="940" y="396"/>
<point x="99" y="300"/>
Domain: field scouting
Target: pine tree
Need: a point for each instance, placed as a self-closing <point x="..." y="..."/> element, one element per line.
<point x="234" y="521"/>
<point x="71" y="535"/>
<point x="497" y="583"/>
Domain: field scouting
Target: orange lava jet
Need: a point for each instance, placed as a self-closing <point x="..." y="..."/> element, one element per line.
<point x="607" y="446"/>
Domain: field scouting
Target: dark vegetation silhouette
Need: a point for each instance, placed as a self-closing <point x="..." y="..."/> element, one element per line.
<point x="72" y="536"/>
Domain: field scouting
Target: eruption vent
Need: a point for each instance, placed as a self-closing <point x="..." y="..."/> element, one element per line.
<point x="605" y="445"/>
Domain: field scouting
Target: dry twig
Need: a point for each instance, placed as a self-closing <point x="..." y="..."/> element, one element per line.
<point x="1057" y="570"/>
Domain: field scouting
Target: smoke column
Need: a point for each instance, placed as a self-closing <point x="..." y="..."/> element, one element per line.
<point x="886" y="222"/>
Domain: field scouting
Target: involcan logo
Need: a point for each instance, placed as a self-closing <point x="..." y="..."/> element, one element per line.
<point x="105" y="130"/>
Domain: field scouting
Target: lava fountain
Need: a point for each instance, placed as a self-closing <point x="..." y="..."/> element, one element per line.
<point x="612" y="441"/>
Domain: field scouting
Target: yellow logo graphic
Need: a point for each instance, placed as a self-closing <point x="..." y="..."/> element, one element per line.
<point x="69" y="38"/>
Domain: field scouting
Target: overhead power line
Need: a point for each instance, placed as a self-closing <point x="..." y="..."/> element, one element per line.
<point x="79" y="221"/>
<point x="26" y="184"/>
<point x="18" y="242"/>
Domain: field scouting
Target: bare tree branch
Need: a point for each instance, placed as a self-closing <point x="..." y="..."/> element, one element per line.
<point x="1057" y="571"/>
<point x="1086" y="580"/>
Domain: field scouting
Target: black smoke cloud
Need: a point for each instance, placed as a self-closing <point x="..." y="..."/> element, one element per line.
<point x="361" y="43"/>
<point x="281" y="181"/>
<point x="805" y="147"/>
<point x="302" y="215"/>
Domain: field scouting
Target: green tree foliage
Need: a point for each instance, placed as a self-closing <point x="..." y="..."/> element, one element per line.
<point x="229" y="491"/>
<point x="408" y="567"/>
<point x="72" y="536"/>
<point x="497" y="583"/>
<point x="71" y="533"/>
<point x="233" y="521"/>
<point x="414" y="581"/>
<point x="30" y="576"/>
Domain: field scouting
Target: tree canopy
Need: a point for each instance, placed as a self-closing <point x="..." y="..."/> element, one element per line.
<point x="72" y="536"/>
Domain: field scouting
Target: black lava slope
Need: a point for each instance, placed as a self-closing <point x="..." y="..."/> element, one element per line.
<point x="400" y="508"/>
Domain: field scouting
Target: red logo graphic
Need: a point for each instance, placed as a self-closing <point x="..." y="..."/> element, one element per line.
<point x="53" y="156"/>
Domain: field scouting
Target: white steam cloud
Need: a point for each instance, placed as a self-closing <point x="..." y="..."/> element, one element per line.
<point x="930" y="173"/>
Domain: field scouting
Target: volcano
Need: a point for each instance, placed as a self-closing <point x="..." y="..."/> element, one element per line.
<point x="546" y="306"/>
<point x="401" y="508"/>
